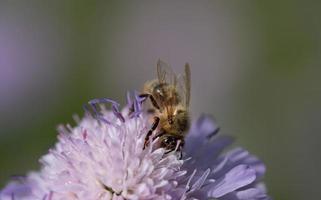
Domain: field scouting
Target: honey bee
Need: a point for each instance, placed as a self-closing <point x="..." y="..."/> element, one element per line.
<point x="169" y="97"/>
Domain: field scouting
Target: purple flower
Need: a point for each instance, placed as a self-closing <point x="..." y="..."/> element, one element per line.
<point x="100" y="160"/>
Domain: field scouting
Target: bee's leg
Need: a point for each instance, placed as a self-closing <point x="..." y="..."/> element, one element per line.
<point x="151" y="111"/>
<point x="169" y="151"/>
<point x="181" y="145"/>
<point x="153" y="128"/>
<point x="152" y="99"/>
<point x="160" y="134"/>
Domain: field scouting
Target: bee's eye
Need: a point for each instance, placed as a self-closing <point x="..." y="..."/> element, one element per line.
<point x="158" y="90"/>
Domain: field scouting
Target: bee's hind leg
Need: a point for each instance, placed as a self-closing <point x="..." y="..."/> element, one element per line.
<point x="153" y="128"/>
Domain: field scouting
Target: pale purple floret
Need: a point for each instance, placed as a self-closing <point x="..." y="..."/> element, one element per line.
<point x="97" y="160"/>
<point x="234" y="175"/>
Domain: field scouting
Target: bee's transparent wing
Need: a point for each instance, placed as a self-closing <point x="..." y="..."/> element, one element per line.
<point x="184" y="85"/>
<point x="165" y="73"/>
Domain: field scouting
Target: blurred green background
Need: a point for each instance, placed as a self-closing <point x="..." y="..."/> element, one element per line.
<point x="255" y="67"/>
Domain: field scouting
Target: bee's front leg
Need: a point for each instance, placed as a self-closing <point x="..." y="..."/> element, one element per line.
<point x="153" y="128"/>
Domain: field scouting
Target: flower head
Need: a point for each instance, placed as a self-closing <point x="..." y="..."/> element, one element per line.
<point x="105" y="159"/>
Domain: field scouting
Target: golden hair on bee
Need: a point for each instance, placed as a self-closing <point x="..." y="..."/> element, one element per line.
<point x="169" y="97"/>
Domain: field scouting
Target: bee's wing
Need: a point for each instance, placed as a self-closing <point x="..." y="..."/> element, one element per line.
<point x="165" y="73"/>
<point x="184" y="85"/>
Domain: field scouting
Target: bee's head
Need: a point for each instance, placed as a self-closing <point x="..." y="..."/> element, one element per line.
<point x="169" y="142"/>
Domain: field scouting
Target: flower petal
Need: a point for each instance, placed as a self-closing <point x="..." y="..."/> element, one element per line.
<point x="251" y="194"/>
<point x="237" y="177"/>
